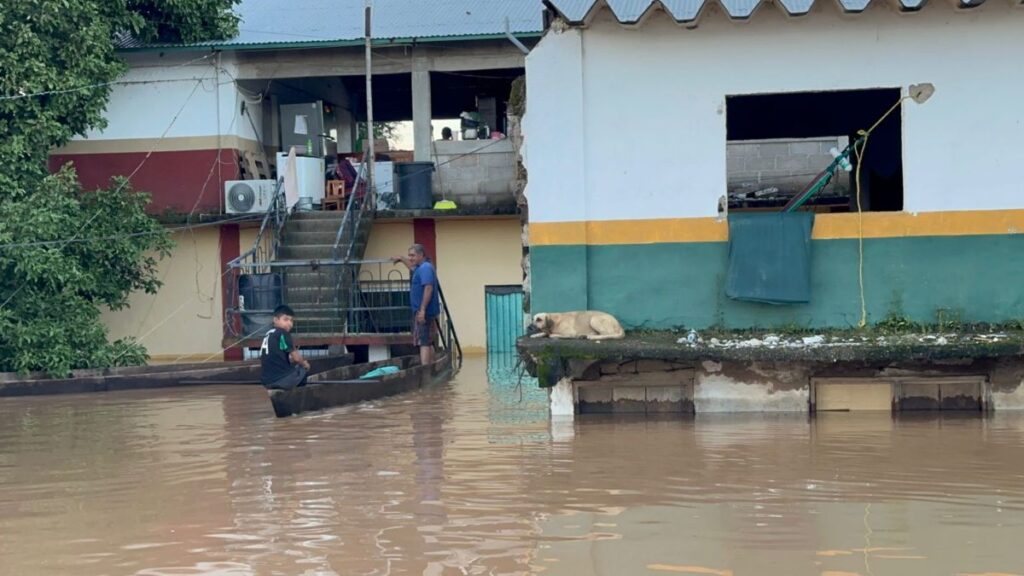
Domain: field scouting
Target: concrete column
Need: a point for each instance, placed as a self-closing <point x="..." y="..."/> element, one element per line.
<point x="421" y="109"/>
<point x="563" y="401"/>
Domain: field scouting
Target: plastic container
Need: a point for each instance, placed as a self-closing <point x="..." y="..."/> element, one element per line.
<point x="258" y="295"/>
<point x="414" y="182"/>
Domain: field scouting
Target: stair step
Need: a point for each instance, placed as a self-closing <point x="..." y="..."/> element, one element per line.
<point x="311" y="226"/>
<point x="317" y="215"/>
<point x="300" y="238"/>
<point x="306" y="252"/>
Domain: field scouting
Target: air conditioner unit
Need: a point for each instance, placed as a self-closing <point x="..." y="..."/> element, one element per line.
<point x="248" y="196"/>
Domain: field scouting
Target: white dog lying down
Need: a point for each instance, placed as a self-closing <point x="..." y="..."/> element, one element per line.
<point x="591" y="325"/>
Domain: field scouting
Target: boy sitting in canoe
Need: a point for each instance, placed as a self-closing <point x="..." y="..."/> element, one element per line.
<point x="283" y="366"/>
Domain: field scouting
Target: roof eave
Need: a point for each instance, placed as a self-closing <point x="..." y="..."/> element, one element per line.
<point x="298" y="45"/>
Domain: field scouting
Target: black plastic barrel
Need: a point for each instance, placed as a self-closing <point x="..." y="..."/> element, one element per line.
<point x="258" y="295"/>
<point x="414" y="185"/>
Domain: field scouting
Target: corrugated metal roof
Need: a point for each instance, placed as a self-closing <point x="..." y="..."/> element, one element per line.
<point x="268" y="23"/>
<point x="688" y="11"/>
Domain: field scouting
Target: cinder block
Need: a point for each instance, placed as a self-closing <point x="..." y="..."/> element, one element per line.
<point x="809" y="148"/>
<point x="792" y="163"/>
<point x="610" y="368"/>
<point x="741" y="150"/>
<point x="507" y="173"/>
<point x="460" y="161"/>
<point x="459" y="188"/>
<point x="773" y="149"/>
<point x="496" y="187"/>
<point x="497" y="160"/>
<point x="818" y="162"/>
<point x="760" y="164"/>
<point x="735" y="164"/>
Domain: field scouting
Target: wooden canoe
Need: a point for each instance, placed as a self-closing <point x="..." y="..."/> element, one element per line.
<point x="342" y="386"/>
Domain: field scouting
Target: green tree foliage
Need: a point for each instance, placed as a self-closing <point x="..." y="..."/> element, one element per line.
<point x="65" y="253"/>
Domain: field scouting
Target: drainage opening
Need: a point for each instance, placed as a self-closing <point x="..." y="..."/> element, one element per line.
<point x="904" y="394"/>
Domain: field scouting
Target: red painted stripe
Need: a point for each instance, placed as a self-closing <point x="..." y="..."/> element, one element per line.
<point x="424" y="232"/>
<point x="230" y="248"/>
<point x="178" y="181"/>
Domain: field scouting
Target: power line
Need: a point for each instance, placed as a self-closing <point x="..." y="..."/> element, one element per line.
<point x="123" y="184"/>
<point x="111" y="83"/>
<point x="175" y="230"/>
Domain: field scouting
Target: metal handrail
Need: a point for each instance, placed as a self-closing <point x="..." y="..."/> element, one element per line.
<point x="452" y="344"/>
<point x="348" y="209"/>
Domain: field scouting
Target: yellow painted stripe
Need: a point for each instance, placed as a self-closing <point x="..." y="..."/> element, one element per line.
<point x="826" y="227"/>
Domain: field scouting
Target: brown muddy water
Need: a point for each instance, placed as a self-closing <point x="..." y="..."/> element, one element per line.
<point x="473" y="478"/>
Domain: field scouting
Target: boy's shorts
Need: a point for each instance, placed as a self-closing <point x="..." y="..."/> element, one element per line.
<point x="423" y="334"/>
<point x="295" y="378"/>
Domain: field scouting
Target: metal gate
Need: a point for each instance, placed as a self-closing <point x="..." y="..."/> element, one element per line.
<point x="505" y="320"/>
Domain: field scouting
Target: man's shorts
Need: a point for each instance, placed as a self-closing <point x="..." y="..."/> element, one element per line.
<point x="423" y="334"/>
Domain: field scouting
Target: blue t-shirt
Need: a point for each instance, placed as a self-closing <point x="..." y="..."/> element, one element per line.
<point x="424" y="276"/>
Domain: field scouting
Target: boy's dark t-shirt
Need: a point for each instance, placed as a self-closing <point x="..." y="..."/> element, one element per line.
<point x="277" y="345"/>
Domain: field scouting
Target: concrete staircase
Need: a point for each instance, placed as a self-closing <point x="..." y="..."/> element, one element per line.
<point x="320" y="294"/>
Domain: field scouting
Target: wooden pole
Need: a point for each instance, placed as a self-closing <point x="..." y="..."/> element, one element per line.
<point x="370" y="160"/>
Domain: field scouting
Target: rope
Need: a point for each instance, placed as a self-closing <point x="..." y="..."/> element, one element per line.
<point x="859" y="152"/>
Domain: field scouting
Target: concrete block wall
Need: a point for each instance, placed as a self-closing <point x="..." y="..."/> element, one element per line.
<point x="787" y="164"/>
<point x="475" y="172"/>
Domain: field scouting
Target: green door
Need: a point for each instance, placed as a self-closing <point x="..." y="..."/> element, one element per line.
<point x="505" y="322"/>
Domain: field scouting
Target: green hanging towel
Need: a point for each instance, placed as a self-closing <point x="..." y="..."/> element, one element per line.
<point x="770" y="257"/>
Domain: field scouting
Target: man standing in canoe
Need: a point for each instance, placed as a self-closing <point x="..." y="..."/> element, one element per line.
<point x="423" y="299"/>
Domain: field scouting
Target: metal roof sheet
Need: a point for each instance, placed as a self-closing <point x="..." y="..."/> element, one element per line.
<point x="688" y="11"/>
<point x="270" y="23"/>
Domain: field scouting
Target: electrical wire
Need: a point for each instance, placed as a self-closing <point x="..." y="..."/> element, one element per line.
<point x="174" y="230"/>
<point x="111" y="83"/>
<point x="123" y="184"/>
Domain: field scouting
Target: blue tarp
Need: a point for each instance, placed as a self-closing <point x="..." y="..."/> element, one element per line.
<point x="770" y="257"/>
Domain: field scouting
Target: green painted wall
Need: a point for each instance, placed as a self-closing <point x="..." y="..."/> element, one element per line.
<point x="977" y="278"/>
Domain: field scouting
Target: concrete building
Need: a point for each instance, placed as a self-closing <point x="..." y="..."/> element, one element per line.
<point x="187" y="119"/>
<point x="630" y="120"/>
<point x="651" y="124"/>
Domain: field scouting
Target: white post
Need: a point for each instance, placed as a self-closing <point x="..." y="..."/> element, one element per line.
<point x="563" y="401"/>
<point x="371" y="197"/>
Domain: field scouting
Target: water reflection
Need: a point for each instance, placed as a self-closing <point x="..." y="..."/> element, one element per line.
<point x="467" y="478"/>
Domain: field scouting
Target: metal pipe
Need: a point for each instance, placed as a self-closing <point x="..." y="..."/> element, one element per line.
<point x="513" y="39"/>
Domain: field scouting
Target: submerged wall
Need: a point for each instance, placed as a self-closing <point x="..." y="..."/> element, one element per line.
<point x="624" y="187"/>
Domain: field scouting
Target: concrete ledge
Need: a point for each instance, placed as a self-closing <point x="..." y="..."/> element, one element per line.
<point x="474" y="211"/>
<point x="664" y="346"/>
<point x="654" y="373"/>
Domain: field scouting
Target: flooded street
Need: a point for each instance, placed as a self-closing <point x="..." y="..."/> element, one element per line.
<point x="473" y="478"/>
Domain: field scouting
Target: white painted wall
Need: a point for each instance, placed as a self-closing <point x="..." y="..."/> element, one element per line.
<point x="555" y="130"/>
<point x="652" y="101"/>
<point x="146" y="110"/>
